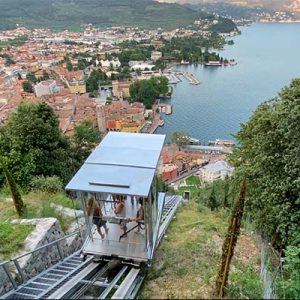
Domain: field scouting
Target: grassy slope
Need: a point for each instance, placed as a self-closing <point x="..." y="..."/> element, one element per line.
<point x="186" y="263"/>
<point x="72" y="14"/>
<point x="38" y="206"/>
<point x="12" y="238"/>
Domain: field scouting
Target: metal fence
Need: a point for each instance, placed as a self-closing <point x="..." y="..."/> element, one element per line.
<point x="12" y="274"/>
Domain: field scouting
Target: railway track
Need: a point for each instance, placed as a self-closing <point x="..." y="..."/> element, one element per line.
<point x="75" y="278"/>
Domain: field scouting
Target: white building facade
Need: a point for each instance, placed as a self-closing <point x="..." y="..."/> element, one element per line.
<point x="47" y="87"/>
<point x="217" y="170"/>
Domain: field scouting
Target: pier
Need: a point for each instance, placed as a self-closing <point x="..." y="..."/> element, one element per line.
<point x="151" y="127"/>
<point x="172" y="77"/>
<point x="155" y="124"/>
<point x="191" y="78"/>
<point x="165" y="108"/>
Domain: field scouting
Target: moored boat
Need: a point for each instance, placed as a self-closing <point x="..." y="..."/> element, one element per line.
<point x="184" y="62"/>
<point x="213" y="63"/>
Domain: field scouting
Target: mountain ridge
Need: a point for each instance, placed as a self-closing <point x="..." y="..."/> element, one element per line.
<point x="286" y="5"/>
<point x="71" y="14"/>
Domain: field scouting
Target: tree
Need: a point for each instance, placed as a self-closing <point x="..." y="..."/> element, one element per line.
<point x="138" y="72"/>
<point x="9" y="61"/>
<point x="269" y="147"/>
<point x="82" y="64"/>
<point x="92" y="83"/>
<point x="16" y="196"/>
<point x="86" y="133"/>
<point x="84" y="139"/>
<point x="230" y="241"/>
<point x="27" y="87"/>
<point x="148" y="90"/>
<point x="180" y="138"/>
<point x="33" y="144"/>
<point x="160" y="64"/>
<point x="162" y="85"/>
<point x="124" y="73"/>
<point x="69" y="66"/>
<point x="212" y="200"/>
<point x="68" y="63"/>
<point x="45" y="75"/>
<point x="31" y="77"/>
<point x="226" y="192"/>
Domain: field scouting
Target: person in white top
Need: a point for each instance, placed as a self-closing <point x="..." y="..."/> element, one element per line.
<point x="120" y="211"/>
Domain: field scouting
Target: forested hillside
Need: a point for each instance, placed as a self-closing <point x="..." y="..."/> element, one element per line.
<point x="269" y="157"/>
<point x="287" y="5"/>
<point x="67" y="14"/>
<point x="227" y="9"/>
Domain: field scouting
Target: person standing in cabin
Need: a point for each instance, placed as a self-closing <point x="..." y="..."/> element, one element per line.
<point x="94" y="208"/>
<point x="120" y="211"/>
<point x="140" y="216"/>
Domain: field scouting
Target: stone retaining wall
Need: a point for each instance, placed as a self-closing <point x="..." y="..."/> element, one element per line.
<point x="46" y="231"/>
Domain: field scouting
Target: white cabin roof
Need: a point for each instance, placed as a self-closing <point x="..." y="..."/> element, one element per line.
<point x="123" y="163"/>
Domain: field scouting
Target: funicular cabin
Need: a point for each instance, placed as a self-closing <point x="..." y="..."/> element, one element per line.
<point x="122" y="169"/>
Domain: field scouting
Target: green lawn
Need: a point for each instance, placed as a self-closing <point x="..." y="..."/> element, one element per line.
<point x="193" y="180"/>
<point x="187" y="260"/>
<point x="193" y="184"/>
<point x="12" y="238"/>
<point x="38" y="205"/>
<point x="57" y="198"/>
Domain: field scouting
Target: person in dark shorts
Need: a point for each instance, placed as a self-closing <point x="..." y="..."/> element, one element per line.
<point x="140" y="217"/>
<point x="93" y="207"/>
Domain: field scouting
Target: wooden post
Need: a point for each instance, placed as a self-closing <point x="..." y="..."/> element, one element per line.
<point x="231" y="240"/>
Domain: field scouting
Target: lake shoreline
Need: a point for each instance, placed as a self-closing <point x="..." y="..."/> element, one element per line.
<point x="227" y="97"/>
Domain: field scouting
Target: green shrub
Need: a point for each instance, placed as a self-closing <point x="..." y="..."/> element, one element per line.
<point x="289" y="285"/>
<point x="51" y="184"/>
<point x="4" y="191"/>
<point x="244" y="284"/>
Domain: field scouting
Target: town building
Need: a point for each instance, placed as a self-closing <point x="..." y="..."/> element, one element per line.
<point x="155" y="55"/>
<point x="121" y="116"/>
<point x="75" y="82"/>
<point x="114" y="63"/>
<point x="47" y="87"/>
<point x="217" y="170"/>
<point x="169" y="172"/>
<point x="120" y="89"/>
<point x="203" y="149"/>
<point x="143" y="66"/>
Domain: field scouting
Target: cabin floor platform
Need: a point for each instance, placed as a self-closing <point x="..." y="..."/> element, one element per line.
<point x="132" y="246"/>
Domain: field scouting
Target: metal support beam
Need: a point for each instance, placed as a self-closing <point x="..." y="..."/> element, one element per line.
<point x="113" y="283"/>
<point x="11" y="279"/>
<point x="126" y="285"/>
<point x="19" y="270"/>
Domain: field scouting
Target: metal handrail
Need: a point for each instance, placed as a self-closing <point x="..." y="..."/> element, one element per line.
<point x="40" y="248"/>
<point x="14" y="260"/>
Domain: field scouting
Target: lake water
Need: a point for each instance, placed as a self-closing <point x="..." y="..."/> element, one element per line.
<point x="268" y="56"/>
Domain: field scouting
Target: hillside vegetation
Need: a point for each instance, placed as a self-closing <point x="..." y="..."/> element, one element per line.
<point x="38" y="205"/>
<point x="227" y="9"/>
<point x="62" y="14"/>
<point x="287" y="5"/>
<point x="186" y="262"/>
